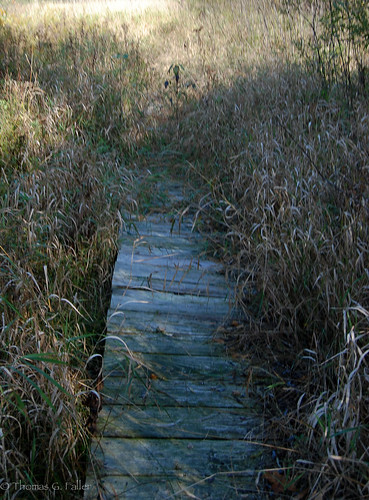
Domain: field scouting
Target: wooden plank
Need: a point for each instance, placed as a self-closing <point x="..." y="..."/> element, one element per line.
<point x="159" y="343"/>
<point x="181" y="423"/>
<point x="156" y="226"/>
<point x="177" y="418"/>
<point x="175" y="261"/>
<point x="158" y="488"/>
<point x="159" y="285"/>
<point x="144" y="374"/>
<point x="160" y="245"/>
<point x="167" y="305"/>
<point x="160" y="218"/>
<point x="164" y="303"/>
<point x="117" y="363"/>
<point x="177" y="392"/>
<point x="141" y="252"/>
<point x="125" y="271"/>
<point x="167" y="324"/>
<point x="158" y="230"/>
<point x="192" y="242"/>
<point x="195" y="458"/>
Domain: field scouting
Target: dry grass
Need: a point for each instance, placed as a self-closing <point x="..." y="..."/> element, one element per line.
<point x="286" y="163"/>
<point x="282" y="166"/>
<point x="68" y="113"/>
<point x="287" y="167"/>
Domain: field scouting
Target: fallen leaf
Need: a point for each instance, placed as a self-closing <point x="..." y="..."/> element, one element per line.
<point x="279" y="482"/>
<point x="218" y="341"/>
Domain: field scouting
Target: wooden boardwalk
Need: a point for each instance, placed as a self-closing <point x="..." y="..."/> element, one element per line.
<point x="176" y="420"/>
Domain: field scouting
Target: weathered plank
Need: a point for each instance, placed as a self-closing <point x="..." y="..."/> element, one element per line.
<point x="159" y="343"/>
<point x="154" y="245"/>
<point x="125" y="270"/>
<point x="182" y="423"/>
<point x="214" y="487"/>
<point x="195" y="458"/>
<point x="163" y="256"/>
<point x="176" y="261"/>
<point x="156" y="226"/>
<point x="177" y="392"/>
<point x="167" y="324"/>
<point x="148" y="283"/>
<point x="118" y="362"/>
<point x="170" y="242"/>
<point x="189" y="305"/>
<point x="177" y="418"/>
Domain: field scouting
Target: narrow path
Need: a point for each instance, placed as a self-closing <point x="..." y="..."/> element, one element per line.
<point x="176" y="420"/>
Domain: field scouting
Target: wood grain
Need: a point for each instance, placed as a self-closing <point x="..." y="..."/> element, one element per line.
<point x="177" y="419"/>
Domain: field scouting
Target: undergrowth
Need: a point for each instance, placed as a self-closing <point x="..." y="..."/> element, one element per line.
<point x="283" y="153"/>
<point x="70" y="97"/>
<point x="292" y="197"/>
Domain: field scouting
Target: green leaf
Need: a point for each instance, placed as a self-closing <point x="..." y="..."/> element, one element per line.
<point x="46" y="357"/>
<point x="52" y="380"/>
<point x="38" y="389"/>
<point x="19" y="404"/>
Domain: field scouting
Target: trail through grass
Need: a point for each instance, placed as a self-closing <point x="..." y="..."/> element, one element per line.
<point x="98" y="101"/>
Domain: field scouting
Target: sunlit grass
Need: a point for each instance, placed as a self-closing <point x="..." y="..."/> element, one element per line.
<point x="82" y="7"/>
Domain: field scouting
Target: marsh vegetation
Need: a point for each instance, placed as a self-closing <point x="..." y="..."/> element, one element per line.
<point x="263" y="108"/>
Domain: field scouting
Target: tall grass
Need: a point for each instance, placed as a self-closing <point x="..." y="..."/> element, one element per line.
<point x="71" y="92"/>
<point x="285" y="158"/>
<point x="292" y="196"/>
<point x="283" y="155"/>
<point x="89" y="104"/>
